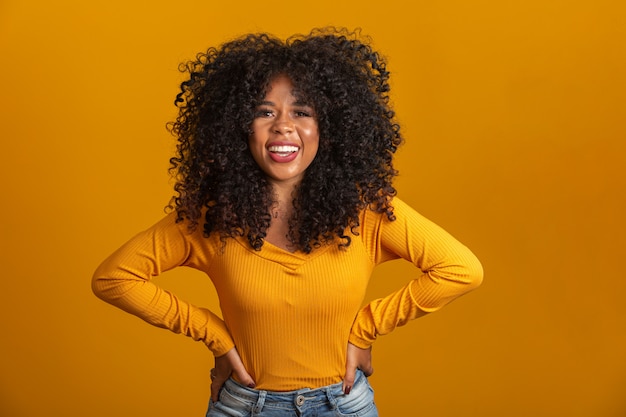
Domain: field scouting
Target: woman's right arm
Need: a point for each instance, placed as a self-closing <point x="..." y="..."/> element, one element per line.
<point x="124" y="280"/>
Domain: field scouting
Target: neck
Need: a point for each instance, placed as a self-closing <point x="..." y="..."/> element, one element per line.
<point x="283" y="192"/>
<point x="281" y="211"/>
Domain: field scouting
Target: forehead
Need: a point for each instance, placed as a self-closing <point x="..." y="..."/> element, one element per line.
<point x="283" y="85"/>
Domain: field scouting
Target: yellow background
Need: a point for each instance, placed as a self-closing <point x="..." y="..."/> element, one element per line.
<point x="514" y="117"/>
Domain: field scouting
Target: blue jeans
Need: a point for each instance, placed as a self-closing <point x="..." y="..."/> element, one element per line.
<point x="235" y="400"/>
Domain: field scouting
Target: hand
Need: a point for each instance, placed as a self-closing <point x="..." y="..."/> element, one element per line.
<point x="226" y="365"/>
<point x="356" y="358"/>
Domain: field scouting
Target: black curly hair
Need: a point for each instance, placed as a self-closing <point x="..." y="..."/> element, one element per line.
<point x="343" y="79"/>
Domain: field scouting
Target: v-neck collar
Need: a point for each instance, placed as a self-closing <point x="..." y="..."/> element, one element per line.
<point x="290" y="260"/>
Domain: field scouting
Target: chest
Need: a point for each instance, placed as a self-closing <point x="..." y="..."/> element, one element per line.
<point x="276" y="280"/>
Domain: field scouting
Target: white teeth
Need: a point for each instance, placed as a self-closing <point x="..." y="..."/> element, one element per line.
<point x="283" y="149"/>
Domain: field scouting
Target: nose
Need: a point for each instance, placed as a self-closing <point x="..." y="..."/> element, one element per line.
<point x="283" y="125"/>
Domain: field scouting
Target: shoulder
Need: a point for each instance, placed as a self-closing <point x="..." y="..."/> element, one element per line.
<point x="170" y="232"/>
<point x="400" y="210"/>
<point x="372" y="223"/>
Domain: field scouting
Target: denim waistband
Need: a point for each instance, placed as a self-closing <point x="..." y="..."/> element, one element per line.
<point x="287" y="399"/>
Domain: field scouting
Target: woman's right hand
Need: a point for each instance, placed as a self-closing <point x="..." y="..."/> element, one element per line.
<point x="226" y="365"/>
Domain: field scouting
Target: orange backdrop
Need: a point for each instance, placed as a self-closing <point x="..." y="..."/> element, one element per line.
<point x="514" y="116"/>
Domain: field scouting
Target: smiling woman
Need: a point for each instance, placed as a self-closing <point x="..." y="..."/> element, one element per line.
<point x="335" y="75"/>
<point x="285" y="157"/>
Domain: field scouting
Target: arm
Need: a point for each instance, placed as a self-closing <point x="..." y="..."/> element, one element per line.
<point x="447" y="270"/>
<point x="124" y="280"/>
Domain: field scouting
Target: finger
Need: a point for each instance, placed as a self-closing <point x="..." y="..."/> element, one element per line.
<point x="216" y="386"/>
<point x="236" y="367"/>
<point x="214" y="392"/>
<point x="243" y="376"/>
<point x="348" y="379"/>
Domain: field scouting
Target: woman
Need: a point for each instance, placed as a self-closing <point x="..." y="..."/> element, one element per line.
<point x="285" y="199"/>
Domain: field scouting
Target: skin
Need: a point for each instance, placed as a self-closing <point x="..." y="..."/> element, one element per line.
<point x="283" y="120"/>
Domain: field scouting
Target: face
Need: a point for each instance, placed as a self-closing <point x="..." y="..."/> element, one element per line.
<point x="285" y="137"/>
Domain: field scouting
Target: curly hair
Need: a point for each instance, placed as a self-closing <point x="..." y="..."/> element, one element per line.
<point x="343" y="79"/>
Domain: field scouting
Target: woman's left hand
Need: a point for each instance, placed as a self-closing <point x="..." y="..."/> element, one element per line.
<point x="356" y="358"/>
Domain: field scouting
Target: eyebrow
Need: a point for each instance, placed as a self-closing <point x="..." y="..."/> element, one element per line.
<point x="295" y="103"/>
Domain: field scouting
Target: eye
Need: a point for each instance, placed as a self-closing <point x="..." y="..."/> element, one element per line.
<point x="262" y="112"/>
<point x="303" y="113"/>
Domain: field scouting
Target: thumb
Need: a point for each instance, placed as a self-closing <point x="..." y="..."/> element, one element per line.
<point x="348" y="379"/>
<point x="243" y="376"/>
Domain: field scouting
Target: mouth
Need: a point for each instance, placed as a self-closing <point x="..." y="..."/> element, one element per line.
<point x="283" y="150"/>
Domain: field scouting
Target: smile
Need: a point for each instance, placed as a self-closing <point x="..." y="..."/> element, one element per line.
<point x="283" y="150"/>
<point x="283" y="153"/>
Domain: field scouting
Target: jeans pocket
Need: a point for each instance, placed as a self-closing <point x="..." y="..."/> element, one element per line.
<point x="359" y="403"/>
<point x="229" y="405"/>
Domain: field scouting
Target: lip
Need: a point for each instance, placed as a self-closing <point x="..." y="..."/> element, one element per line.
<point x="280" y="158"/>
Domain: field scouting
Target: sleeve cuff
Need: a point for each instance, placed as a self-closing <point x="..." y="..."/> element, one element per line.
<point x="363" y="333"/>
<point x="218" y="340"/>
<point x="358" y="342"/>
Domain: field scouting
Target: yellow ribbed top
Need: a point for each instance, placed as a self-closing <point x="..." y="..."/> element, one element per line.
<point x="290" y="315"/>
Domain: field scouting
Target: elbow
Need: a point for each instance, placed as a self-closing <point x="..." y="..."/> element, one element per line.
<point x="103" y="287"/>
<point x="98" y="288"/>
<point x="474" y="274"/>
<point x="466" y="274"/>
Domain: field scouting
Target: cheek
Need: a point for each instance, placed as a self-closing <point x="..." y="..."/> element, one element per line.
<point x="253" y="132"/>
<point x="256" y="147"/>
<point x="311" y="135"/>
<point x="256" y="136"/>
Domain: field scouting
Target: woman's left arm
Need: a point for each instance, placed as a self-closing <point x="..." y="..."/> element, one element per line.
<point x="447" y="270"/>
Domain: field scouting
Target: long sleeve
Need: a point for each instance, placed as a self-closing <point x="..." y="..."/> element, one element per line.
<point x="447" y="270"/>
<point x="124" y="280"/>
<point x="289" y="313"/>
